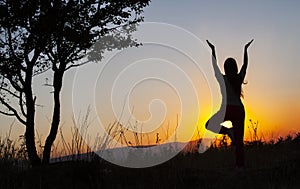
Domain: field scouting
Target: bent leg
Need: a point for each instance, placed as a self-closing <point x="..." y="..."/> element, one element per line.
<point x="214" y="123"/>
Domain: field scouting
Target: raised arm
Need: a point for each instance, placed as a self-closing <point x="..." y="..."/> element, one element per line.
<point x="245" y="64"/>
<point x="217" y="71"/>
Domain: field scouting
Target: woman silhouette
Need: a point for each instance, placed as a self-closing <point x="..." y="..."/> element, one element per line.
<point x="232" y="108"/>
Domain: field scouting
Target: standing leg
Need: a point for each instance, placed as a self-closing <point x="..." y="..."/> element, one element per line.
<point x="238" y="128"/>
<point x="239" y="142"/>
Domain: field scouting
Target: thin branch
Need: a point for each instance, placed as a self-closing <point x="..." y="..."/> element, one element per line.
<point x="15" y="113"/>
<point x="51" y="55"/>
<point x="77" y="65"/>
<point x="48" y="85"/>
<point x="3" y="42"/>
<point x="9" y="92"/>
<point x="52" y="59"/>
<point x="35" y="57"/>
<point x="21" y="103"/>
<point x="40" y="72"/>
<point x="20" y="75"/>
<point x="14" y="84"/>
<point x="10" y="43"/>
<point x="73" y="52"/>
<point x="6" y="113"/>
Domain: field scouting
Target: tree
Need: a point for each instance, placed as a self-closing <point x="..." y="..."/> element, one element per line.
<point x="79" y="26"/>
<point x="53" y="34"/>
<point x="23" y="38"/>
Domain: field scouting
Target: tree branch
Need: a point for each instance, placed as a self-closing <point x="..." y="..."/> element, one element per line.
<point x="51" y="55"/>
<point x="40" y="72"/>
<point x="9" y="92"/>
<point x="20" y="75"/>
<point x="77" y="65"/>
<point x="21" y="104"/>
<point x="14" y="111"/>
<point x="14" y="84"/>
<point x="7" y="114"/>
<point x="10" y="43"/>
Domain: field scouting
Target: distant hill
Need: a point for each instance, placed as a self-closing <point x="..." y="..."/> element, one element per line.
<point x="170" y="149"/>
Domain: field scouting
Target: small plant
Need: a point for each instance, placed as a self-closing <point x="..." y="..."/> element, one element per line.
<point x="253" y="133"/>
<point x="280" y="140"/>
<point x="297" y="138"/>
<point x="221" y="141"/>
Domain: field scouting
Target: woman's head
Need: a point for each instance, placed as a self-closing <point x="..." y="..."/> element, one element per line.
<point x="230" y="67"/>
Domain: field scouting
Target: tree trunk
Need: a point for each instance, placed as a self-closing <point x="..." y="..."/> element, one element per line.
<point x="30" y="145"/>
<point x="29" y="137"/>
<point x="29" y="133"/>
<point x="57" y="83"/>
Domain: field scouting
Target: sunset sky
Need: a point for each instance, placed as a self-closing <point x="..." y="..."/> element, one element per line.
<point x="170" y="77"/>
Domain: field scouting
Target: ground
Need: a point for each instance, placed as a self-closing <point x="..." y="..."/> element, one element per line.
<point x="267" y="166"/>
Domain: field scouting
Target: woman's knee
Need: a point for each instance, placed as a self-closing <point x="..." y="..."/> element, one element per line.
<point x="206" y="124"/>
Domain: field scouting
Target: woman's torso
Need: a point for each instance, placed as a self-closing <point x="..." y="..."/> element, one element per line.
<point x="229" y="95"/>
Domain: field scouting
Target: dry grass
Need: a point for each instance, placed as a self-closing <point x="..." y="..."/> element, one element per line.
<point x="272" y="164"/>
<point x="269" y="165"/>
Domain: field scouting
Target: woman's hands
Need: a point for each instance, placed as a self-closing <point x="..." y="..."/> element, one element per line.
<point x="218" y="73"/>
<point x="213" y="52"/>
<point x="210" y="45"/>
<point x="245" y="65"/>
<point x="213" y="47"/>
<point x="248" y="44"/>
